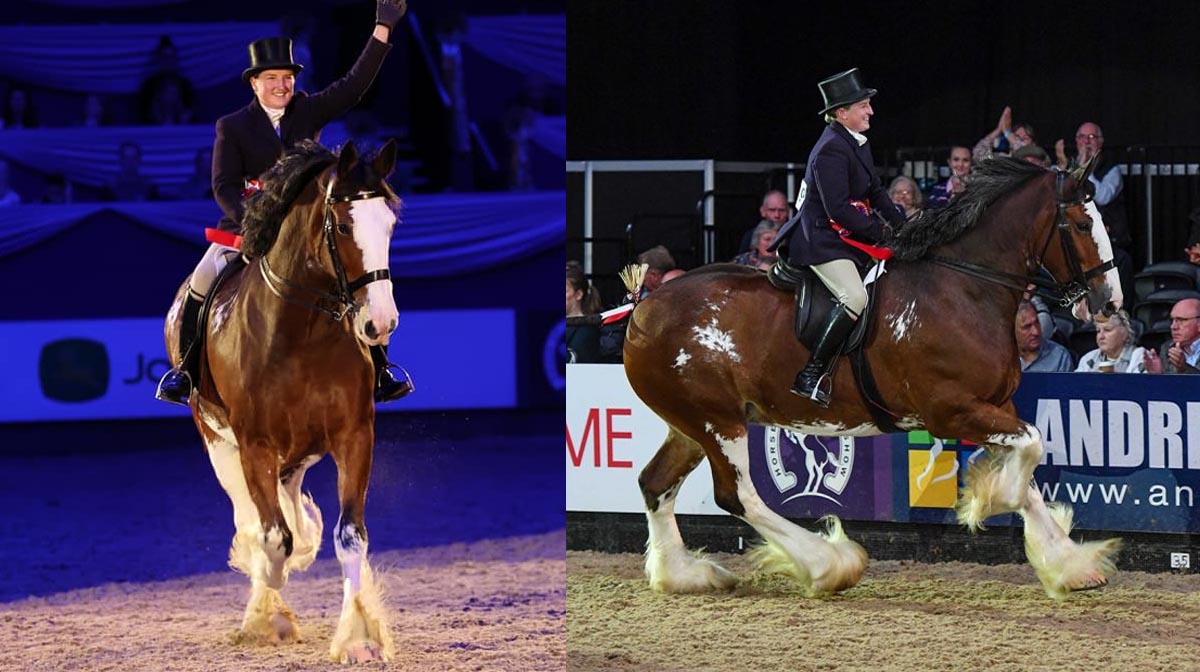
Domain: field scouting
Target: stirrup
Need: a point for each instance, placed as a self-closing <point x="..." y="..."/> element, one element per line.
<point x="389" y="387"/>
<point x="175" y="387"/>
<point x="817" y="394"/>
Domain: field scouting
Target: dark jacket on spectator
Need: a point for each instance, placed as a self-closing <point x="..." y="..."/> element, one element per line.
<point x="246" y="144"/>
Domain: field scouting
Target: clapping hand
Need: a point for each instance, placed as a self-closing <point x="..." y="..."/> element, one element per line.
<point x="389" y="12"/>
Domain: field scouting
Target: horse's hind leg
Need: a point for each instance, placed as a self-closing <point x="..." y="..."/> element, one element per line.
<point x="822" y="563"/>
<point x="670" y="567"/>
<point x="362" y="633"/>
<point x="302" y="515"/>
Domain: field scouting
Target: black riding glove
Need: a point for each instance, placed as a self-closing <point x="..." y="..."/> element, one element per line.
<point x="389" y="12"/>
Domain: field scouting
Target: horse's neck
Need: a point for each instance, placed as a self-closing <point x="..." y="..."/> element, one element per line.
<point x="295" y="255"/>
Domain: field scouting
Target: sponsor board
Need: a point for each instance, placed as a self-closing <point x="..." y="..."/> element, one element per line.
<point x="108" y="369"/>
<point x="611" y="436"/>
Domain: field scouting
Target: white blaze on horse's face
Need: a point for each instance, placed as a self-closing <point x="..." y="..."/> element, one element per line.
<point x="1104" y="246"/>
<point x="373" y="222"/>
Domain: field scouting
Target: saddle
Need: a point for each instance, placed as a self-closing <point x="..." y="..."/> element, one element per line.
<point x="813" y="304"/>
<point x="233" y="267"/>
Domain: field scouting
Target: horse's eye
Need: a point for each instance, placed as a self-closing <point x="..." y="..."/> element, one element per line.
<point x="343" y="228"/>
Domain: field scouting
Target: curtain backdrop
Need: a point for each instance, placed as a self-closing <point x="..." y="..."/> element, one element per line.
<point x="550" y="133"/>
<point x="109" y="4"/>
<point x="527" y="44"/>
<point x="438" y="235"/>
<point x="116" y="58"/>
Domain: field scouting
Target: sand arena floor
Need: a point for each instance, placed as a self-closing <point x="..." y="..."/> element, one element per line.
<point x="902" y="617"/>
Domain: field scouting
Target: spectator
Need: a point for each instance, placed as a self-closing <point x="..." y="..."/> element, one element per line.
<point x="1180" y="354"/>
<point x="1004" y="140"/>
<point x="583" y="340"/>
<point x="959" y="162"/>
<point x="1105" y="177"/>
<point x="94" y="114"/>
<point x="759" y="255"/>
<point x="57" y="189"/>
<point x="129" y="183"/>
<point x="659" y="261"/>
<point x="906" y="195"/>
<point x="166" y="95"/>
<point x="1192" y="247"/>
<point x="7" y="195"/>
<point x="18" y="110"/>
<point x="199" y="185"/>
<point x="1034" y="154"/>
<point x="774" y="209"/>
<point x="1035" y="353"/>
<point x="1116" y="352"/>
<point x="672" y="274"/>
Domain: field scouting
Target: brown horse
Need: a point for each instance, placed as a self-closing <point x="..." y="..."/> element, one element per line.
<point x="286" y="378"/>
<point x="715" y="350"/>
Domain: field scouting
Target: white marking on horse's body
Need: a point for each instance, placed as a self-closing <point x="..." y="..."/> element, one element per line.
<point x="716" y="340"/>
<point x="904" y="322"/>
<point x="681" y="359"/>
<point x="909" y="423"/>
<point x="828" y="429"/>
<point x="372" y="229"/>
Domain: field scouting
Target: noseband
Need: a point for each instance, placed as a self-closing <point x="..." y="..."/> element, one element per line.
<point x="1066" y="293"/>
<point x="337" y="304"/>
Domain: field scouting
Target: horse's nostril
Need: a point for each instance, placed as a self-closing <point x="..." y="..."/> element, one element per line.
<point x="370" y="330"/>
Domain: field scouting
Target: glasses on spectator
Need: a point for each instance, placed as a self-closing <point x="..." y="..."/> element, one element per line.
<point x="1088" y="136"/>
<point x="1181" y="320"/>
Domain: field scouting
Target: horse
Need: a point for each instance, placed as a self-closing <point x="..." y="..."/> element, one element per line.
<point x="286" y="378"/>
<point x="714" y="350"/>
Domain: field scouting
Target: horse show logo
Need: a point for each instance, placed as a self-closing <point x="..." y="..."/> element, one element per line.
<point x="827" y="463"/>
<point x="74" y="370"/>
<point x="934" y="469"/>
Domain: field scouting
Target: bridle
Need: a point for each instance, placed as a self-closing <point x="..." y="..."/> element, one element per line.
<point x="1066" y="293"/>
<point x="341" y="303"/>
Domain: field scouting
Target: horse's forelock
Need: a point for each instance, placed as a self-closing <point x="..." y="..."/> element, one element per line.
<point x="990" y="180"/>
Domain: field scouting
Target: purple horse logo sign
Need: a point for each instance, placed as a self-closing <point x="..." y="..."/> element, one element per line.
<point x="827" y="463"/>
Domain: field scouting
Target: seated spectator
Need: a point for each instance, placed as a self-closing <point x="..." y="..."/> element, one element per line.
<point x="1116" y="352"/>
<point x="1034" y="154"/>
<point x="1035" y="353"/>
<point x="583" y="340"/>
<point x="18" y="110"/>
<point x="759" y="256"/>
<point x="94" y="114"/>
<point x="1105" y="177"/>
<point x="7" y="195"/>
<point x="672" y="274"/>
<point x="659" y="261"/>
<point x="774" y="209"/>
<point x="1004" y="140"/>
<point x="1180" y="354"/>
<point x="959" y="162"/>
<point x="129" y="183"/>
<point x="1192" y="247"/>
<point x="57" y="189"/>
<point x="199" y="185"/>
<point x="906" y="195"/>
<point x="166" y="95"/>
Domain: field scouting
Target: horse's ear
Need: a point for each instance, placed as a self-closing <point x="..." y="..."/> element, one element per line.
<point x="385" y="160"/>
<point x="1082" y="173"/>
<point x="347" y="158"/>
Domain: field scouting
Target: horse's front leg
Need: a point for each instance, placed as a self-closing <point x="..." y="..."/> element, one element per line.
<point x="362" y="633"/>
<point x="262" y="550"/>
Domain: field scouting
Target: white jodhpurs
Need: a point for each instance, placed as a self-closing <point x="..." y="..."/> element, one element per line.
<point x="215" y="258"/>
<point x="842" y="278"/>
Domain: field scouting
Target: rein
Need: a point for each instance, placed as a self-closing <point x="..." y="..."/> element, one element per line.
<point x="340" y="304"/>
<point x="1066" y="293"/>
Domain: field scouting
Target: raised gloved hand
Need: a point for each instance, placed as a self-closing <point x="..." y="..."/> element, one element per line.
<point x="389" y="12"/>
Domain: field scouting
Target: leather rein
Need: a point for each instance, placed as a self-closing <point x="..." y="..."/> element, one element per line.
<point x="1066" y="293"/>
<point x="341" y="303"/>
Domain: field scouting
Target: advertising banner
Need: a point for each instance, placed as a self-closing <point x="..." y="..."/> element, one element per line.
<point x="109" y="368"/>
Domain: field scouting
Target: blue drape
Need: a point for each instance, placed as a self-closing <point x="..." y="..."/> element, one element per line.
<point x="108" y="4"/>
<point x="116" y="58"/>
<point x="529" y="44"/>
<point x="438" y="234"/>
<point x="550" y="133"/>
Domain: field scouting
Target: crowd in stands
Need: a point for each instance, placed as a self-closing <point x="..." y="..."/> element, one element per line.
<point x="1158" y="331"/>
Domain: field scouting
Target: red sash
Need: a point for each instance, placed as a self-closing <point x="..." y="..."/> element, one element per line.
<point x="226" y="238"/>
<point x="875" y="251"/>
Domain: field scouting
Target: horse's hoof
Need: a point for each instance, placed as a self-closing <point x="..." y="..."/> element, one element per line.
<point x="286" y="629"/>
<point x="1092" y="582"/>
<point x="362" y="652"/>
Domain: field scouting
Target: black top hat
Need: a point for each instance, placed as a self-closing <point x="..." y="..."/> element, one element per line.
<point x="842" y="89"/>
<point x="270" y="53"/>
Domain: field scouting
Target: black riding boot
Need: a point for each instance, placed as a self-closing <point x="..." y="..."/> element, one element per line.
<point x="176" y="384"/>
<point x="387" y="386"/>
<point x="827" y="348"/>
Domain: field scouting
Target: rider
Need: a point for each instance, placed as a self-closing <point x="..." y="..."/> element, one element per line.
<point x="840" y="186"/>
<point x="248" y="142"/>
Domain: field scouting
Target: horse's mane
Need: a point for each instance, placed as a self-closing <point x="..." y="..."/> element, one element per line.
<point x="281" y="186"/>
<point x="989" y="181"/>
